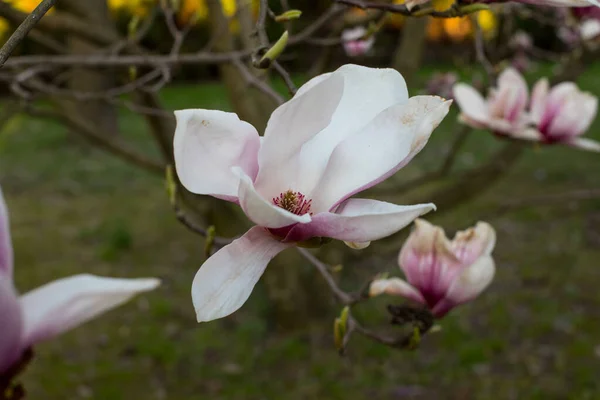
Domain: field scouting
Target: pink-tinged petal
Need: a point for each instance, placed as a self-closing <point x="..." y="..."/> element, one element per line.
<point x="367" y="92"/>
<point x="263" y="212"/>
<point x="473" y="106"/>
<point x="469" y="284"/>
<point x="539" y="96"/>
<point x="11" y="325"/>
<point x="512" y="84"/>
<point x="475" y="242"/>
<point x="69" y="302"/>
<point x="585" y="144"/>
<point x="427" y="260"/>
<point x="395" y="287"/>
<point x="6" y="249"/>
<point x="555" y="102"/>
<point x="224" y="282"/>
<point x="360" y="220"/>
<point x="577" y="113"/>
<point x="376" y="152"/>
<point x="291" y="125"/>
<point x="207" y="144"/>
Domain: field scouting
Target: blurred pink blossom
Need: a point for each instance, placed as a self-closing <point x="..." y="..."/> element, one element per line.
<point x="354" y="41"/>
<point x="562" y="114"/>
<point x="442" y="273"/>
<point x="503" y="111"/>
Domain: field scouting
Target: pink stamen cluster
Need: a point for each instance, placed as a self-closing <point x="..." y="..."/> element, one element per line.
<point x="294" y="202"/>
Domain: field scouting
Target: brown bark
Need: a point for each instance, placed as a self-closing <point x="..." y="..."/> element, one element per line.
<point x="250" y="104"/>
<point x="409" y="52"/>
<point x="99" y="112"/>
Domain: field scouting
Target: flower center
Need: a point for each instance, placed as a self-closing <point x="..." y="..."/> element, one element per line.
<point x="294" y="202"/>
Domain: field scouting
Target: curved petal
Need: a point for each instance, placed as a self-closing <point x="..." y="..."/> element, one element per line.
<point x="395" y="287"/>
<point x="367" y="92"/>
<point x="6" y="249"/>
<point x="224" y="282"/>
<point x="359" y="220"/>
<point x="575" y="115"/>
<point x="472" y="105"/>
<point x="539" y="96"/>
<point x="472" y="243"/>
<point x="384" y="146"/>
<point x="469" y="284"/>
<point x="11" y="321"/>
<point x="291" y="125"/>
<point x="512" y="84"/>
<point x="69" y="302"/>
<point x="262" y="212"/>
<point x="207" y="144"/>
<point x="585" y="144"/>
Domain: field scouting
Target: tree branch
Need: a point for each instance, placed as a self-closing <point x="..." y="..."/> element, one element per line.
<point x="27" y="25"/>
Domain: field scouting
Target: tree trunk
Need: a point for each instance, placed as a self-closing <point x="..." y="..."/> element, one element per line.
<point x="409" y="52"/>
<point x="99" y="112"/>
<point x="250" y="104"/>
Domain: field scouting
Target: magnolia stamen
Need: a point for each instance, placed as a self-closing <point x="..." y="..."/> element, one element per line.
<point x="294" y="202"/>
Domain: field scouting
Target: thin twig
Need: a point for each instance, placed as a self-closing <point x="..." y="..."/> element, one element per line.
<point x="289" y="83"/>
<point x="19" y="35"/>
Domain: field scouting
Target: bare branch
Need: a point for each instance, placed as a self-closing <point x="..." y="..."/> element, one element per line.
<point x="27" y="25"/>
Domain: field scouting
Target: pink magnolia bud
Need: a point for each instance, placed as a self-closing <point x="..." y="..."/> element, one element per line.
<point x="442" y="273"/>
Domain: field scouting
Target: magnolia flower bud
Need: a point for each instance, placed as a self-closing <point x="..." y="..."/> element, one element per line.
<point x="442" y="273"/>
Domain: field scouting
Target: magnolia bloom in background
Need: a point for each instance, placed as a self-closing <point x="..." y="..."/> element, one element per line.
<point x="503" y="111"/>
<point x="442" y="273"/>
<point x="354" y="41"/>
<point x="563" y="3"/>
<point x="562" y="114"/>
<point x="52" y="308"/>
<point x="342" y="133"/>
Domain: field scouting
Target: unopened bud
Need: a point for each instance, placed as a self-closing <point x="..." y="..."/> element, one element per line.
<point x="274" y="52"/>
<point x="288" y="16"/>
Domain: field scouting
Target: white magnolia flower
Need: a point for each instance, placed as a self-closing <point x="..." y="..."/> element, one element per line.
<point x="342" y="133"/>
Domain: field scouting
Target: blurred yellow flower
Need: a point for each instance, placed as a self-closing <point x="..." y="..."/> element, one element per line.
<point x="488" y="23"/>
<point x="24" y="5"/>
<point x="441" y="5"/>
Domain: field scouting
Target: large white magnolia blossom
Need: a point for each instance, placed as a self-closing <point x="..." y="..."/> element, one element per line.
<point x="342" y="133"/>
<point x="53" y="308"/>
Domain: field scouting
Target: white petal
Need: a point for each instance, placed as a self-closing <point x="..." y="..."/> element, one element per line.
<point x="6" y="249"/>
<point x="384" y="146"/>
<point x="575" y="115"/>
<point x="367" y="92"/>
<point x="69" y="302"/>
<point x="291" y="125"/>
<point x="472" y="105"/>
<point x="11" y="323"/>
<point x="395" y="287"/>
<point x="469" y="284"/>
<point x="224" y="282"/>
<point x="539" y="97"/>
<point x="585" y="144"/>
<point x="207" y="144"/>
<point x="360" y="220"/>
<point x="261" y="211"/>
